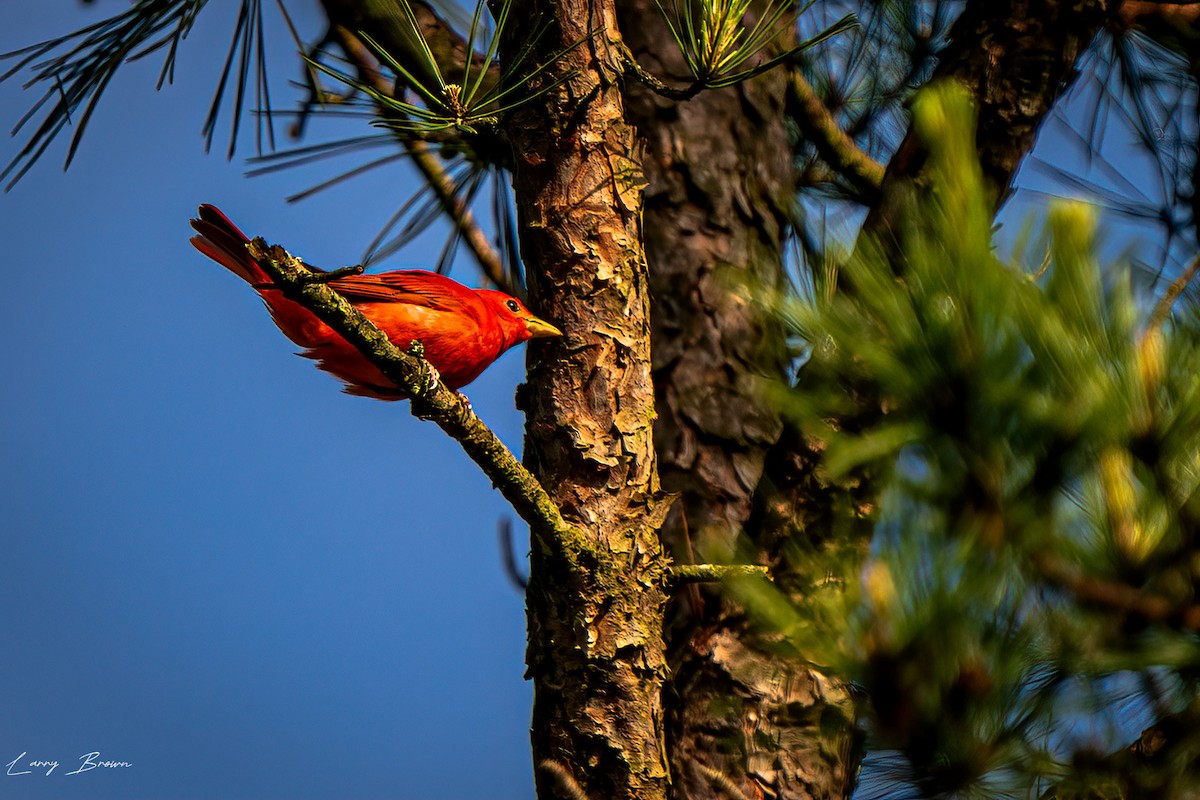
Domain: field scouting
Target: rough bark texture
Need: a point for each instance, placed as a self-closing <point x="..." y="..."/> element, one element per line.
<point x="722" y="187"/>
<point x="595" y="633"/>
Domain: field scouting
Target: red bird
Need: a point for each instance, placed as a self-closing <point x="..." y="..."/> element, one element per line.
<point x="463" y="330"/>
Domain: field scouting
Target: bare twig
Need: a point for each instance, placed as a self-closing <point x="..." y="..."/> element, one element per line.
<point x="314" y="95"/>
<point x="509" y="556"/>
<point x="1119" y="597"/>
<point x="1175" y="12"/>
<point x="462" y="217"/>
<point x="695" y="598"/>
<point x="311" y="81"/>
<point x="332" y="275"/>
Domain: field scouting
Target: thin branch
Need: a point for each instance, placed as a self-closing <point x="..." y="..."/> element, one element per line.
<point x="333" y="274"/>
<point x="835" y="145"/>
<point x="721" y="781"/>
<point x="1175" y="12"/>
<point x="463" y="218"/>
<point x="1116" y="596"/>
<point x="314" y="95"/>
<point x="632" y="67"/>
<point x="1165" y="303"/>
<point x="509" y="556"/>
<point x="430" y="398"/>
<point x="703" y="573"/>
<point x="568" y="786"/>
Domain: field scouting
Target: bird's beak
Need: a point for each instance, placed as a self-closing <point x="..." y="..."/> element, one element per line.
<point x="539" y="328"/>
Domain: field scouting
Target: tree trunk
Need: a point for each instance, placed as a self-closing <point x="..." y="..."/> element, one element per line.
<point x="596" y="652"/>
<point x="722" y="188"/>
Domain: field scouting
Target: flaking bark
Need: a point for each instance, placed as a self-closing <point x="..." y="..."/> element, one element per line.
<point x="596" y="652"/>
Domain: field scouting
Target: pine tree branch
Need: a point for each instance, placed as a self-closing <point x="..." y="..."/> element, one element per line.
<point x="1163" y="762"/>
<point x="430" y="398"/>
<point x="388" y="25"/>
<point x="834" y="145"/>
<point x="431" y="169"/>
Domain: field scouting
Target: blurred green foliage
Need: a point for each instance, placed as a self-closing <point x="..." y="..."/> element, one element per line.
<point x="1027" y="604"/>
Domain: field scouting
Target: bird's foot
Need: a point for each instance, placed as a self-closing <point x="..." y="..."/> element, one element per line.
<point x="416" y="349"/>
<point x="466" y="401"/>
<point x="432" y="378"/>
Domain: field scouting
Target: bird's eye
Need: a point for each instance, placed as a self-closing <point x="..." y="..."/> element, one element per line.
<point x="513" y="306"/>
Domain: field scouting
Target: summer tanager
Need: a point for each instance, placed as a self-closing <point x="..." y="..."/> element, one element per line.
<point x="462" y="330"/>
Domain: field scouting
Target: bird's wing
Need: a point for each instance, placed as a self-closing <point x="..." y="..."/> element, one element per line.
<point x="415" y="287"/>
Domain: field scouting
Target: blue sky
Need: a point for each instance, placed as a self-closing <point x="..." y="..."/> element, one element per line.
<point x="217" y="567"/>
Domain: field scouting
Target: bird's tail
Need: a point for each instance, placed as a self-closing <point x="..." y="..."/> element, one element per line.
<point x="224" y="243"/>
